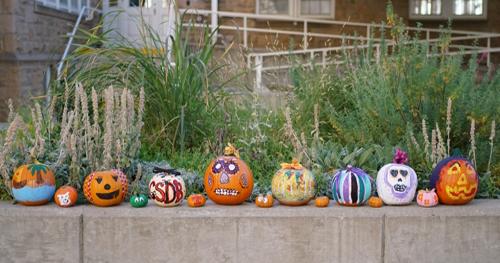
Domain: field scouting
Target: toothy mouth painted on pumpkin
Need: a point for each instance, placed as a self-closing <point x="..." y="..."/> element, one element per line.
<point x="226" y="192"/>
<point x="460" y="191"/>
<point x="108" y="196"/>
<point x="399" y="188"/>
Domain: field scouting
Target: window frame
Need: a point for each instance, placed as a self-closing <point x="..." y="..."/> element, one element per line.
<point x="447" y="7"/>
<point x="64" y="9"/>
<point x="294" y="10"/>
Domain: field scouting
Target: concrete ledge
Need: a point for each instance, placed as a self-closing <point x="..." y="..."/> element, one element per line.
<point x="246" y="233"/>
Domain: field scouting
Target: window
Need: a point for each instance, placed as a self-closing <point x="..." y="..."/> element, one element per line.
<point x="69" y="6"/>
<point x="307" y="8"/>
<point x="444" y="9"/>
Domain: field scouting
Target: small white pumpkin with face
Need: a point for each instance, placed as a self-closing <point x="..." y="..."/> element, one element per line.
<point x="396" y="184"/>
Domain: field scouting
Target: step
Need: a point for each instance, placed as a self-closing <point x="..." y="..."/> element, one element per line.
<point x="245" y="233"/>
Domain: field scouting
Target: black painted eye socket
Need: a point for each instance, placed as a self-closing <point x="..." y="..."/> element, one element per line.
<point x="115" y="178"/>
<point x="218" y="166"/>
<point x="394" y="173"/>
<point x="232" y="167"/>
<point x="403" y="172"/>
<point x="99" y="180"/>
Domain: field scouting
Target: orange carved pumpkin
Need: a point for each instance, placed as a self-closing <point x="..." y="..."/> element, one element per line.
<point x="264" y="201"/>
<point x="455" y="180"/>
<point x="375" y="202"/>
<point x="228" y="180"/>
<point x="196" y="200"/>
<point x="66" y="196"/>
<point x="322" y="201"/>
<point x="106" y="188"/>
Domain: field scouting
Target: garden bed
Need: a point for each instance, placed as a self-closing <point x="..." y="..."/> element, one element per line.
<point x="245" y="233"/>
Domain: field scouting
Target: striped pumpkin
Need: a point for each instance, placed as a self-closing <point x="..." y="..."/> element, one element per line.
<point x="351" y="187"/>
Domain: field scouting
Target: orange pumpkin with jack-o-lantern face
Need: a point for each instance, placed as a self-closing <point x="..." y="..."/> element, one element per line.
<point x="455" y="180"/>
<point x="106" y="188"/>
<point x="228" y="180"/>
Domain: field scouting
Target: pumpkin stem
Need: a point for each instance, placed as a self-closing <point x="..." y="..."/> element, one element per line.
<point x="400" y="157"/>
<point x="295" y="165"/>
<point x="230" y="150"/>
<point x="165" y="170"/>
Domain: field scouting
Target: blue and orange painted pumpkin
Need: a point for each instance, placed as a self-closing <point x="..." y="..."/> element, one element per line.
<point x="351" y="187"/>
<point x="455" y="180"/>
<point x="33" y="184"/>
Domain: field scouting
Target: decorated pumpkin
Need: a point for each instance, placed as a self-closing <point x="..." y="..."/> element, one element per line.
<point x="427" y="198"/>
<point x="293" y="184"/>
<point x="375" y="202"/>
<point x="33" y="184"/>
<point x="66" y="196"/>
<point x="105" y="188"/>
<point x="139" y="200"/>
<point x="396" y="181"/>
<point x="196" y="200"/>
<point x="351" y="187"/>
<point x="264" y="201"/>
<point x="167" y="188"/>
<point x="322" y="201"/>
<point x="228" y="180"/>
<point x="455" y="180"/>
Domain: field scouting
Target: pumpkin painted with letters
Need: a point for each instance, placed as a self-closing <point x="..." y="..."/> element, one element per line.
<point x="66" y="196"/>
<point x="375" y="202"/>
<point x="456" y="181"/>
<point x="196" y="200"/>
<point x="396" y="181"/>
<point x="264" y="201"/>
<point x="139" y="200"/>
<point x="427" y="198"/>
<point x="33" y="184"/>
<point x="293" y="184"/>
<point x="351" y="187"/>
<point x="228" y="180"/>
<point x="322" y="201"/>
<point x="167" y="187"/>
<point x="105" y="188"/>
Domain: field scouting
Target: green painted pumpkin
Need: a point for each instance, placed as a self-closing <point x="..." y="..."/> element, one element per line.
<point x="139" y="200"/>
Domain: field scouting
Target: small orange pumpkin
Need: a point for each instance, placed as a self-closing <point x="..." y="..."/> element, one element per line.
<point x="66" y="196"/>
<point x="264" y="201"/>
<point x="106" y="188"/>
<point x="375" y="202"/>
<point x="196" y="200"/>
<point x="228" y="180"/>
<point x="322" y="201"/>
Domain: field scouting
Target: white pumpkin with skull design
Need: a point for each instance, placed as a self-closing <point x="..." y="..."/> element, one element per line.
<point x="397" y="182"/>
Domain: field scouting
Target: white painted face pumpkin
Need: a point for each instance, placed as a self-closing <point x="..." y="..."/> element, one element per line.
<point x="396" y="184"/>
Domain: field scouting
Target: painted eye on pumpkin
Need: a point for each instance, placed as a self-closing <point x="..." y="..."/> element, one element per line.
<point x="99" y="180"/>
<point x="232" y="167"/>
<point x="394" y="173"/>
<point x="403" y="172"/>
<point x="115" y="178"/>
<point x="217" y="168"/>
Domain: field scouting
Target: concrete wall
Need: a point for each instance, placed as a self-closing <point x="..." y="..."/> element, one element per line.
<point x="246" y="233"/>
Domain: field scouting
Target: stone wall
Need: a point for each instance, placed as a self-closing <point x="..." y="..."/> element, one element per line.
<point x="246" y="233"/>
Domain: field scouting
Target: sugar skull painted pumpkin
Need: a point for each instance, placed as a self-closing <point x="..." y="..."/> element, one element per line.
<point x="293" y="184"/>
<point x="33" y="184"/>
<point x="455" y="180"/>
<point x="397" y="182"/>
<point x="351" y="187"/>
<point x="196" y="200"/>
<point x="167" y="187"/>
<point x="228" y="180"/>
<point x="66" y="196"/>
<point x="105" y="188"/>
<point x="427" y="198"/>
<point x="139" y="200"/>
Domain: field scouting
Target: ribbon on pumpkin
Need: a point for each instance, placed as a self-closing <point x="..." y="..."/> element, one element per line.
<point x="230" y="150"/>
<point x="295" y="165"/>
<point x="157" y="169"/>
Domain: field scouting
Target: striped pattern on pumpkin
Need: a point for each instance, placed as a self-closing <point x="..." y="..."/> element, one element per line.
<point x="351" y="187"/>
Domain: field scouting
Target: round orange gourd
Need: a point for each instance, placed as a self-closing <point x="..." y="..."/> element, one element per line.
<point x="228" y="180"/>
<point x="322" y="201"/>
<point x="66" y="196"/>
<point x="196" y="200"/>
<point x="375" y="202"/>
<point x="264" y="201"/>
<point x="106" y="188"/>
